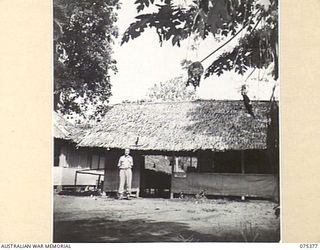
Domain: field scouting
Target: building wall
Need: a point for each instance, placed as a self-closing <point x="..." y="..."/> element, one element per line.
<point x="67" y="155"/>
<point x="249" y="185"/>
<point x="69" y="159"/>
<point x="231" y="173"/>
<point x="189" y="176"/>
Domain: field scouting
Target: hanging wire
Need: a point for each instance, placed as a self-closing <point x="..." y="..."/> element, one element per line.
<point x="250" y="74"/>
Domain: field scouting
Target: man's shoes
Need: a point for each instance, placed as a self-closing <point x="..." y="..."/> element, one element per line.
<point x="127" y="196"/>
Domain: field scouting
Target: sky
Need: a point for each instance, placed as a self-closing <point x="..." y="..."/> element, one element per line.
<point x="142" y="62"/>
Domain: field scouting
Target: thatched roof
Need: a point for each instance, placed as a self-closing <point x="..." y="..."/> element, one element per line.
<point x="62" y="129"/>
<point x="182" y="126"/>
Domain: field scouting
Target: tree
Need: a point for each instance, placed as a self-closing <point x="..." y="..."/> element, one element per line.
<point x="84" y="32"/>
<point x="255" y="20"/>
<point x="172" y="90"/>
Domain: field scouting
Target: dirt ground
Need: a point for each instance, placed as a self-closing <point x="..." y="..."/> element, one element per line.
<point x="102" y="219"/>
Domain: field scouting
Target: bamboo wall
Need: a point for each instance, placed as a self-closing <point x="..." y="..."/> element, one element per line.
<point x="72" y="159"/>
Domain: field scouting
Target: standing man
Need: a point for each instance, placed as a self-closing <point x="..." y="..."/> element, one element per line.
<point x="125" y="173"/>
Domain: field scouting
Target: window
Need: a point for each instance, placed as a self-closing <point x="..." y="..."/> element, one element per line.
<point x="252" y="161"/>
<point x="206" y="163"/>
<point x="185" y="164"/>
<point x="97" y="161"/>
<point x="256" y="162"/>
<point x="158" y="163"/>
<point x="227" y="162"/>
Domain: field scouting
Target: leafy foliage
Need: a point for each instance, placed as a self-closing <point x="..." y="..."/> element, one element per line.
<point x="177" y="23"/>
<point x="84" y="32"/>
<point x="256" y="49"/>
<point x="142" y="3"/>
<point x="166" y="22"/>
<point x="247" y="54"/>
<point x="256" y="19"/>
<point x="172" y="90"/>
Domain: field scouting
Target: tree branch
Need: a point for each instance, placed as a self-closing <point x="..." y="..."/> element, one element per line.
<point x="238" y="32"/>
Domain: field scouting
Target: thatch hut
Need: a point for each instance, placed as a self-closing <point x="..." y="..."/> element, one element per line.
<point x="209" y="145"/>
<point x="69" y="160"/>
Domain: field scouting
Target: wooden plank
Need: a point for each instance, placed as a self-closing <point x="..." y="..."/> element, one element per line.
<point x="101" y="162"/>
<point x="95" y="161"/>
<point x="75" y="179"/>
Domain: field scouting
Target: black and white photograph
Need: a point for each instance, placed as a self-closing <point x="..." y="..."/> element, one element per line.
<point x="166" y="121"/>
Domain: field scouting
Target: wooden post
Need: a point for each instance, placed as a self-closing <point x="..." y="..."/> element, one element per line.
<point x="98" y="184"/>
<point x="176" y="162"/>
<point x="142" y="185"/>
<point x="172" y="176"/>
<point x="75" y="180"/>
<point x="212" y="158"/>
<point x="99" y="160"/>
<point x="242" y="170"/>
<point x="63" y="157"/>
<point x="242" y="162"/>
<point x="171" y="194"/>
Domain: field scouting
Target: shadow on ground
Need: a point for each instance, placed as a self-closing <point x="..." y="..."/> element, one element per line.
<point x="137" y="230"/>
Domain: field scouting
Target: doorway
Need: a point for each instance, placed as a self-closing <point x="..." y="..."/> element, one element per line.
<point x="156" y="174"/>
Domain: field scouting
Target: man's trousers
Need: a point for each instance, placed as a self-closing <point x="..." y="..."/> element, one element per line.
<point x="125" y="176"/>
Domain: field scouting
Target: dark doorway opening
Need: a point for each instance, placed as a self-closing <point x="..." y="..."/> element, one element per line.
<point x="155" y="179"/>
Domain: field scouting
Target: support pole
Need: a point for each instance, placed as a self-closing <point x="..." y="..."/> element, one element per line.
<point x="98" y="184"/>
<point x="172" y="176"/>
<point x="176" y="162"/>
<point x="242" y="170"/>
<point x="75" y="180"/>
